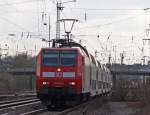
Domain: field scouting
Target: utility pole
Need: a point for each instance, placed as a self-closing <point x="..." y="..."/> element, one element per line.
<point x="59" y="8"/>
<point x="114" y="50"/>
<point x="122" y="57"/>
<point x="49" y="31"/>
<point x="109" y="59"/>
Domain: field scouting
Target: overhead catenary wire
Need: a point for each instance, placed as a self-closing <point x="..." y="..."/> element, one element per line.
<point x="13" y="23"/>
<point x="111" y="9"/>
<point x="106" y="14"/>
<point x="111" y="23"/>
<point x="109" y="14"/>
<point x="19" y="2"/>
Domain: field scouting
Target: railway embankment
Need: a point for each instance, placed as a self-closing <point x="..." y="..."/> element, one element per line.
<point x="110" y="108"/>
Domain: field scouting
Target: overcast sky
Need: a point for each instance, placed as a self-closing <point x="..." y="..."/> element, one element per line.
<point x="120" y="25"/>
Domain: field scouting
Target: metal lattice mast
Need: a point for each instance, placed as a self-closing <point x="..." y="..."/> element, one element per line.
<point x="59" y="9"/>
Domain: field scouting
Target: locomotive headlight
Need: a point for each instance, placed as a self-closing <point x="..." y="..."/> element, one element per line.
<point x="72" y="83"/>
<point x="58" y="69"/>
<point x="45" y="83"/>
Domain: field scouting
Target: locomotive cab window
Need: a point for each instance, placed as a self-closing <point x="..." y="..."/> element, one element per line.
<point x="50" y="58"/>
<point x="59" y="58"/>
<point x="68" y="58"/>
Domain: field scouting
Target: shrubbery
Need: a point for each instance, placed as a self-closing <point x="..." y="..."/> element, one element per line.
<point x="13" y="83"/>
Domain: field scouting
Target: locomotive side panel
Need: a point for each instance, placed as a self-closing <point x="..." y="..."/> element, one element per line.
<point x="38" y="71"/>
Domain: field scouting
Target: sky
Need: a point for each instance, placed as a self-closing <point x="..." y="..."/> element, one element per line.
<point x="111" y="27"/>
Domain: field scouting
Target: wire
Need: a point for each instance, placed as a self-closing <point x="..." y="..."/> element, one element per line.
<point x="13" y="23"/>
<point x="20" y="2"/>
<point x="103" y="9"/>
<point x="106" y="14"/>
<point x="113" y="22"/>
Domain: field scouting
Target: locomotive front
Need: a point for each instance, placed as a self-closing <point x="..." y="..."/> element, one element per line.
<point x="59" y="75"/>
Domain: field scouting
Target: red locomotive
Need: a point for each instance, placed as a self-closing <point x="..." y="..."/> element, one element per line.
<point x="69" y="73"/>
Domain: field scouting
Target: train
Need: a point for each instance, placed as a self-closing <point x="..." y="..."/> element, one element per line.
<point x="69" y="73"/>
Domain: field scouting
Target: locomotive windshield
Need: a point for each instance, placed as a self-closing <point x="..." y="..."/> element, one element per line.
<point x="59" y="58"/>
<point x="67" y="58"/>
<point x="51" y="58"/>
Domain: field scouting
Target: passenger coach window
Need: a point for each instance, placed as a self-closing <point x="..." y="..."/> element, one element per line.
<point x="68" y="58"/>
<point x="51" y="58"/>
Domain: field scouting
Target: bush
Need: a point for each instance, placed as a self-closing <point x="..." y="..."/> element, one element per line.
<point x="121" y="91"/>
<point x="7" y="83"/>
<point x="145" y="93"/>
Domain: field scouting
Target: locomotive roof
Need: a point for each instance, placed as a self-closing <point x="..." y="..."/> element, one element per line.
<point x="80" y="50"/>
<point x="66" y="48"/>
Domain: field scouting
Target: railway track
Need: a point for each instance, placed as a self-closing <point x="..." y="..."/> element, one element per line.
<point x="17" y="100"/>
<point x="34" y="112"/>
<point x="16" y="96"/>
<point x="28" y="107"/>
<point x="8" y="104"/>
<point x="44" y="111"/>
<point x="8" y="107"/>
